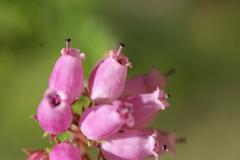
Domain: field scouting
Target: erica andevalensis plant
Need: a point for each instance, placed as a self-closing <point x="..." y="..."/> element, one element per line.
<point x="117" y="119"/>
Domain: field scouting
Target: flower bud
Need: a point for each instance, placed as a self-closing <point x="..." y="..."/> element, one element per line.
<point x="38" y="155"/>
<point x="67" y="74"/>
<point x="100" y="121"/>
<point x="144" y="83"/>
<point x="107" y="79"/>
<point x="129" y="145"/>
<point x="146" y="106"/>
<point x="65" y="151"/>
<point x="54" y="112"/>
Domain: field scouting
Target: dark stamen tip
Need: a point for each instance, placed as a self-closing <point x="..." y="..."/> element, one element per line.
<point x="164" y="147"/>
<point x="122" y="44"/>
<point x="168" y="95"/>
<point x="68" y="39"/>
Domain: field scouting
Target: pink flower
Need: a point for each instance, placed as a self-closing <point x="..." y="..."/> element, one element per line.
<point x="100" y="121"/>
<point x="116" y="118"/>
<point x="130" y="145"/>
<point x="107" y="79"/>
<point x="65" y="151"/>
<point x="146" y="106"/>
<point x="144" y="83"/>
<point x="54" y="112"/>
<point x="67" y="74"/>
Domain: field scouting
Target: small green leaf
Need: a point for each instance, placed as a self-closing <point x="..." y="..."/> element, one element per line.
<point x="65" y="136"/>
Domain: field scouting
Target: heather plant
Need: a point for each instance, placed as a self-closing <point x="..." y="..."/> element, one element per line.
<point x="115" y="121"/>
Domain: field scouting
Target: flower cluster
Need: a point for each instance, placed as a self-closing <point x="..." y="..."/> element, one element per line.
<point x="118" y="115"/>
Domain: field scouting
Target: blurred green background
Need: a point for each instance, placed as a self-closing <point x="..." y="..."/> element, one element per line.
<point x="201" y="39"/>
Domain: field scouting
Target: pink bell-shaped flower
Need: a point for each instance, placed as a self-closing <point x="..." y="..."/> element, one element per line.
<point x="54" y="112"/>
<point x="130" y="145"/>
<point x="146" y="106"/>
<point x="107" y="79"/>
<point x="67" y="74"/>
<point x="100" y="121"/>
<point x="65" y="151"/>
<point x="144" y="83"/>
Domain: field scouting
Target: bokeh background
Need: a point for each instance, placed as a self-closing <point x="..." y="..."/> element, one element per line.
<point x="200" y="39"/>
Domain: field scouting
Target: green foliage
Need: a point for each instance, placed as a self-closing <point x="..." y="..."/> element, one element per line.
<point x="65" y="136"/>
